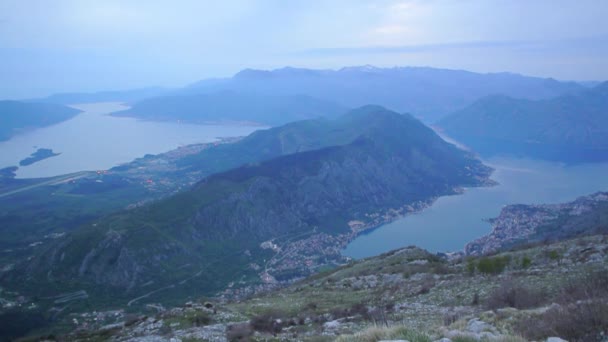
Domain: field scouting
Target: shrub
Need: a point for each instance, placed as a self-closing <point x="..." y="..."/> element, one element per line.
<point x="470" y="267"/>
<point x="510" y="294"/>
<point x="553" y="255"/>
<point x="427" y="284"/>
<point x="582" y="321"/>
<point x="267" y="322"/>
<point x="475" y="300"/>
<point x="526" y="262"/>
<point x="590" y="286"/>
<point x="239" y="332"/>
<point x="583" y="313"/>
<point x="464" y="338"/>
<point x="493" y="265"/>
<point x="359" y="309"/>
<point x="199" y="318"/>
<point x="393" y="333"/>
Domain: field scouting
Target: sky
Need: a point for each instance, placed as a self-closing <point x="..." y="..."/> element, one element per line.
<point x="91" y="45"/>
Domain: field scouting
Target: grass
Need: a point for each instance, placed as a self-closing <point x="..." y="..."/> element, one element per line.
<point x="374" y="334"/>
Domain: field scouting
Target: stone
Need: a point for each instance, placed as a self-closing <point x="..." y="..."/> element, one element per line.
<point x="555" y="339"/>
<point x="331" y="325"/>
<point x="476" y="326"/>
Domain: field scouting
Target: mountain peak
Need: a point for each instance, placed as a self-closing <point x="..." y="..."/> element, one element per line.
<point x="602" y="88"/>
<point x="362" y="68"/>
<point x="252" y="74"/>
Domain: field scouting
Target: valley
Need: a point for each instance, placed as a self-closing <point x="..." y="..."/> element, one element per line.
<point x="321" y="237"/>
<point x="319" y="171"/>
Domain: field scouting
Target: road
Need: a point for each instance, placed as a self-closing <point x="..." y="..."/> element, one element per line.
<point x="54" y="180"/>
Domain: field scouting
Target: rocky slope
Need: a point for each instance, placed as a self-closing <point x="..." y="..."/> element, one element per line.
<point x="519" y="224"/>
<point x="407" y="294"/>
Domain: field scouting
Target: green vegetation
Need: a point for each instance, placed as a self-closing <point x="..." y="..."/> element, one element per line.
<point x="526" y="262"/>
<point x="492" y="265"/>
<point x="201" y="239"/>
<point x="393" y="333"/>
<point x="373" y="299"/>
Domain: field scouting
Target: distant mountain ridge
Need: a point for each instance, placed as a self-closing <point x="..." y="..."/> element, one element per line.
<point x="205" y="237"/>
<point x="227" y="106"/>
<point x="129" y="95"/>
<point x="427" y="93"/>
<point x="570" y="128"/>
<point x="17" y="116"/>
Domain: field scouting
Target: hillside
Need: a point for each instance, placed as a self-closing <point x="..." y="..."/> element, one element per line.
<point x="572" y="128"/>
<point x="229" y="106"/>
<point x="17" y="117"/>
<point x="426" y="93"/>
<point x="61" y="207"/>
<point x="310" y="204"/>
<point x="531" y="294"/>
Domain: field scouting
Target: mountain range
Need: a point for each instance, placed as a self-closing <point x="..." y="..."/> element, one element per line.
<point x="229" y="106"/>
<point x="202" y="239"/>
<point x="129" y="95"/>
<point x="569" y="128"/>
<point x="427" y="93"/>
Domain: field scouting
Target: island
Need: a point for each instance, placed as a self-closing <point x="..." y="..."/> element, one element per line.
<point x="40" y="154"/>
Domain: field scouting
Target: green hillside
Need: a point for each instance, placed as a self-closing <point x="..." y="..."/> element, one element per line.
<point x="204" y="238"/>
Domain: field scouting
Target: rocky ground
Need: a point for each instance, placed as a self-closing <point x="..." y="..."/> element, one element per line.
<point x="550" y="290"/>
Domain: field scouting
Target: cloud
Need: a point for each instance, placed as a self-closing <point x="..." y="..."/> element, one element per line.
<point x="418" y="48"/>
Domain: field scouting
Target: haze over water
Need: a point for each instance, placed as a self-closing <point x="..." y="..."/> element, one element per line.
<point x="94" y="140"/>
<point x="452" y="221"/>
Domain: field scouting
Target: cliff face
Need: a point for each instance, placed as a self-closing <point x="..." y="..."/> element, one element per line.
<point x="206" y="237"/>
<point x="521" y="224"/>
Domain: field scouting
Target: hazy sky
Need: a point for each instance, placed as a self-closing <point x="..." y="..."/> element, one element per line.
<point x="86" y="45"/>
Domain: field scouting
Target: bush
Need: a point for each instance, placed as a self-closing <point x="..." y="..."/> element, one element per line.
<point x="392" y="333"/>
<point x="582" y="315"/>
<point x="427" y="284"/>
<point x="268" y="322"/>
<point x="588" y="287"/>
<point x="239" y="332"/>
<point x="475" y="300"/>
<point x="470" y="267"/>
<point x="553" y="255"/>
<point x="510" y="294"/>
<point x="199" y="318"/>
<point x="526" y="262"/>
<point x="583" y="321"/>
<point x="494" y="265"/>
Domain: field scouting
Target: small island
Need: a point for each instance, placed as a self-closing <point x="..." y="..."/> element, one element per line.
<point x="40" y="154"/>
